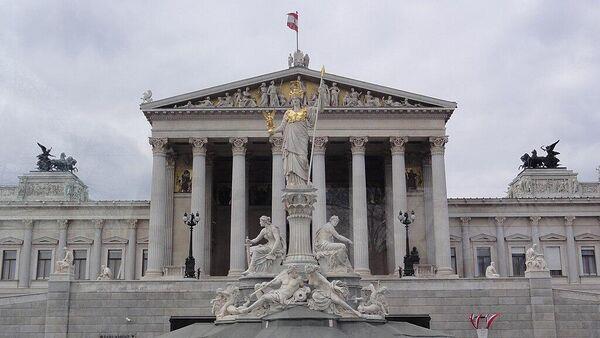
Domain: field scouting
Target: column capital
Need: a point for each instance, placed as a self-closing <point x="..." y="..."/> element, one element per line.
<point x="465" y="221"/>
<point x="98" y="223"/>
<point x="63" y="224"/>
<point x="27" y="224"/>
<point x="159" y="145"/>
<point x="238" y="145"/>
<point x="569" y="220"/>
<point x="535" y="220"/>
<point x="132" y="223"/>
<point x="397" y="144"/>
<point x="198" y="145"/>
<point x="320" y="143"/>
<point x="499" y="220"/>
<point x="276" y="144"/>
<point x="358" y="144"/>
<point x="437" y="144"/>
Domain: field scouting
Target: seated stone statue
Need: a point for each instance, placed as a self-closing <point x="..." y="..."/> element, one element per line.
<point x="332" y="256"/>
<point x="372" y="302"/>
<point x="64" y="266"/>
<point x="266" y="257"/>
<point x="327" y="296"/>
<point x="105" y="273"/>
<point x="490" y="271"/>
<point x="534" y="261"/>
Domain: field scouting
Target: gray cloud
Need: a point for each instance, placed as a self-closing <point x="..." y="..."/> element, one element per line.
<point x="523" y="74"/>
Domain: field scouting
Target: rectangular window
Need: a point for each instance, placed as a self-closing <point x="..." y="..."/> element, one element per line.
<point x="79" y="263"/>
<point x="552" y="256"/>
<point x="453" y="259"/>
<point x="114" y="262"/>
<point x="518" y="261"/>
<point x="44" y="264"/>
<point x="9" y="264"/>
<point x="484" y="258"/>
<point x="588" y="260"/>
<point x="144" y="261"/>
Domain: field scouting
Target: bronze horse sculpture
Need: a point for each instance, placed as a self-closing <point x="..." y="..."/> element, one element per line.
<point x="533" y="161"/>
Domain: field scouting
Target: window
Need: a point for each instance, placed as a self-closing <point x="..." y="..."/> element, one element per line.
<point x="9" y="264"/>
<point x="518" y="261"/>
<point x="588" y="260"/>
<point x="44" y="264"/>
<point x="79" y="263"/>
<point x="114" y="262"/>
<point x="552" y="256"/>
<point x="484" y="258"/>
<point x="144" y="261"/>
<point x="453" y="259"/>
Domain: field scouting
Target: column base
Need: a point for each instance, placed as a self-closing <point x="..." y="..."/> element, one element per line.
<point x="363" y="272"/>
<point x="153" y="274"/>
<point x="446" y="272"/>
<point x="235" y="273"/>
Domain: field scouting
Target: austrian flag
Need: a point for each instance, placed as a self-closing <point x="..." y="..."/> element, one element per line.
<point x="292" y="21"/>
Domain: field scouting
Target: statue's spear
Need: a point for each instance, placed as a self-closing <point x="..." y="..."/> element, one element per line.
<point x="312" y="148"/>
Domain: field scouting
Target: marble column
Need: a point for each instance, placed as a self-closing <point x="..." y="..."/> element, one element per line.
<point x="389" y="217"/>
<point x="237" y="260"/>
<point x="535" y="230"/>
<point x="198" y="204"/>
<point x="168" y="256"/>
<point x="428" y="212"/>
<point x="319" y="216"/>
<point x="573" y="271"/>
<point x="359" y="206"/>
<point x="25" y="255"/>
<point x="277" y="185"/>
<point x="501" y="256"/>
<point x="131" y="249"/>
<point x="441" y="226"/>
<point x="96" y="254"/>
<point x="467" y="255"/>
<point x="63" y="225"/>
<point x="399" y="201"/>
<point x="158" y="207"/>
<point x="205" y="269"/>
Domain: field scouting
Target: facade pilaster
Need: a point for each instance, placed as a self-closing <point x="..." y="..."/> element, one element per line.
<point x="168" y="255"/>
<point x="428" y="203"/>
<point x="389" y="217"/>
<point x="277" y="185"/>
<point x="535" y="229"/>
<point x="238" y="206"/>
<point x="205" y="269"/>
<point x="466" y="248"/>
<point x="198" y="200"/>
<point x="25" y="255"/>
<point x="131" y="249"/>
<point x="573" y="271"/>
<point x="399" y="200"/>
<point x="96" y="254"/>
<point x="158" y="206"/>
<point x="441" y="226"/>
<point x="359" y="205"/>
<point x="319" y="216"/>
<point x="501" y="247"/>
<point x="63" y="225"/>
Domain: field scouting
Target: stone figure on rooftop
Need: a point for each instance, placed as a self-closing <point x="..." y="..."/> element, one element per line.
<point x="237" y="98"/>
<point x="247" y="99"/>
<point x="333" y="254"/>
<point x="372" y="302"/>
<point x="534" y="261"/>
<point x="64" y="265"/>
<point x="147" y="96"/>
<point x="264" y="257"/>
<point x="206" y="102"/>
<point x="371" y="101"/>
<point x="264" y="96"/>
<point x="273" y="98"/>
<point x="334" y="95"/>
<point x="491" y="272"/>
<point x="329" y="297"/>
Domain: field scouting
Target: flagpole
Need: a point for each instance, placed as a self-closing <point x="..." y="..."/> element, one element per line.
<point x="312" y="147"/>
<point x="297" y="29"/>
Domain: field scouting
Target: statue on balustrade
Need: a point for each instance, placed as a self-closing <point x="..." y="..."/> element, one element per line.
<point x="491" y="272"/>
<point x="64" y="266"/>
<point x="332" y="256"/>
<point x="534" y="261"/>
<point x="265" y="258"/>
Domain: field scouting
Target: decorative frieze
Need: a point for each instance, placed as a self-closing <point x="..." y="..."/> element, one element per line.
<point x="159" y="145"/>
<point x="238" y="145"/>
<point x="358" y="144"/>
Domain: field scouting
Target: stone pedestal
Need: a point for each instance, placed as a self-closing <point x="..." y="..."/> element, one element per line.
<point x="51" y="186"/>
<point x="57" y="305"/>
<point x="550" y="183"/>
<point x="299" y="203"/>
<point x="542" y="304"/>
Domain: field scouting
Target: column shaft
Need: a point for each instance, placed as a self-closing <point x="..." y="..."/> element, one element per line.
<point x="170" y="173"/>
<point x="131" y="250"/>
<point x="359" y="206"/>
<point x="573" y="270"/>
<point x="208" y="223"/>
<point x="96" y="254"/>
<point x="25" y="255"/>
<point x="399" y="199"/>
<point x="501" y="247"/>
<point x="319" y="216"/>
<point x="428" y="203"/>
<point x="277" y="185"/>
<point x="466" y="248"/>
<point x="63" y="225"/>
<point x="237" y="261"/>
<point x="441" y="224"/>
<point x="158" y="206"/>
<point x="535" y="230"/>
<point x="389" y="217"/>
<point x="198" y="204"/>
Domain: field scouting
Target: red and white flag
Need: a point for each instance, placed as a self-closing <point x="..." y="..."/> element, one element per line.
<point x="292" y="21"/>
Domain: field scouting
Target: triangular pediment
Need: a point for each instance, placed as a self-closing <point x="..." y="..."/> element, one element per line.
<point x="517" y="238"/>
<point x="10" y="241"/>
<point x="587" y="237"/>
<point x="80" y="240"/>
<point x="553" y="237"/>
<point x="454" y="238"/>
<point x="311" y="78"/>
<point x="45" y="240"/>
<point x="143" y="240"/>
<point x="115" y="240"/>
<point x="483" y="238"/>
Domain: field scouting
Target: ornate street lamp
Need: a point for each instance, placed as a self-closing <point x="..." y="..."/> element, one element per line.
<point x="190" y="220"/>
<point x="409" y="260"/>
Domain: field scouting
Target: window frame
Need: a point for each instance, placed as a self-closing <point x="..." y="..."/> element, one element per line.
<point x="511" y="263"/>
<point x="561" y="251"/>
<point x="36" y="257"/>
<point x="581" y="247"/>
<point x="481" y="274"/>
<point x="16" y="270"/>
<point x="87" y="261"/>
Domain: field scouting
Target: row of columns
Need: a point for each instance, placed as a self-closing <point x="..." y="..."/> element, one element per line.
<point x="502" y="254"/>
<point x="158" y="222"/>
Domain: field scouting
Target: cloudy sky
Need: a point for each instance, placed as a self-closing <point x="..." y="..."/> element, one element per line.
<point x="524" y="73"/>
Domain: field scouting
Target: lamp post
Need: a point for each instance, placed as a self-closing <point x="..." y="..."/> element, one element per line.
<point x="407" y="219"/>
<point x="190" y="220"/>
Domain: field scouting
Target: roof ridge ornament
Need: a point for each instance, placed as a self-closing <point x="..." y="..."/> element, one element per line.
<point x="299" y="59"/>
